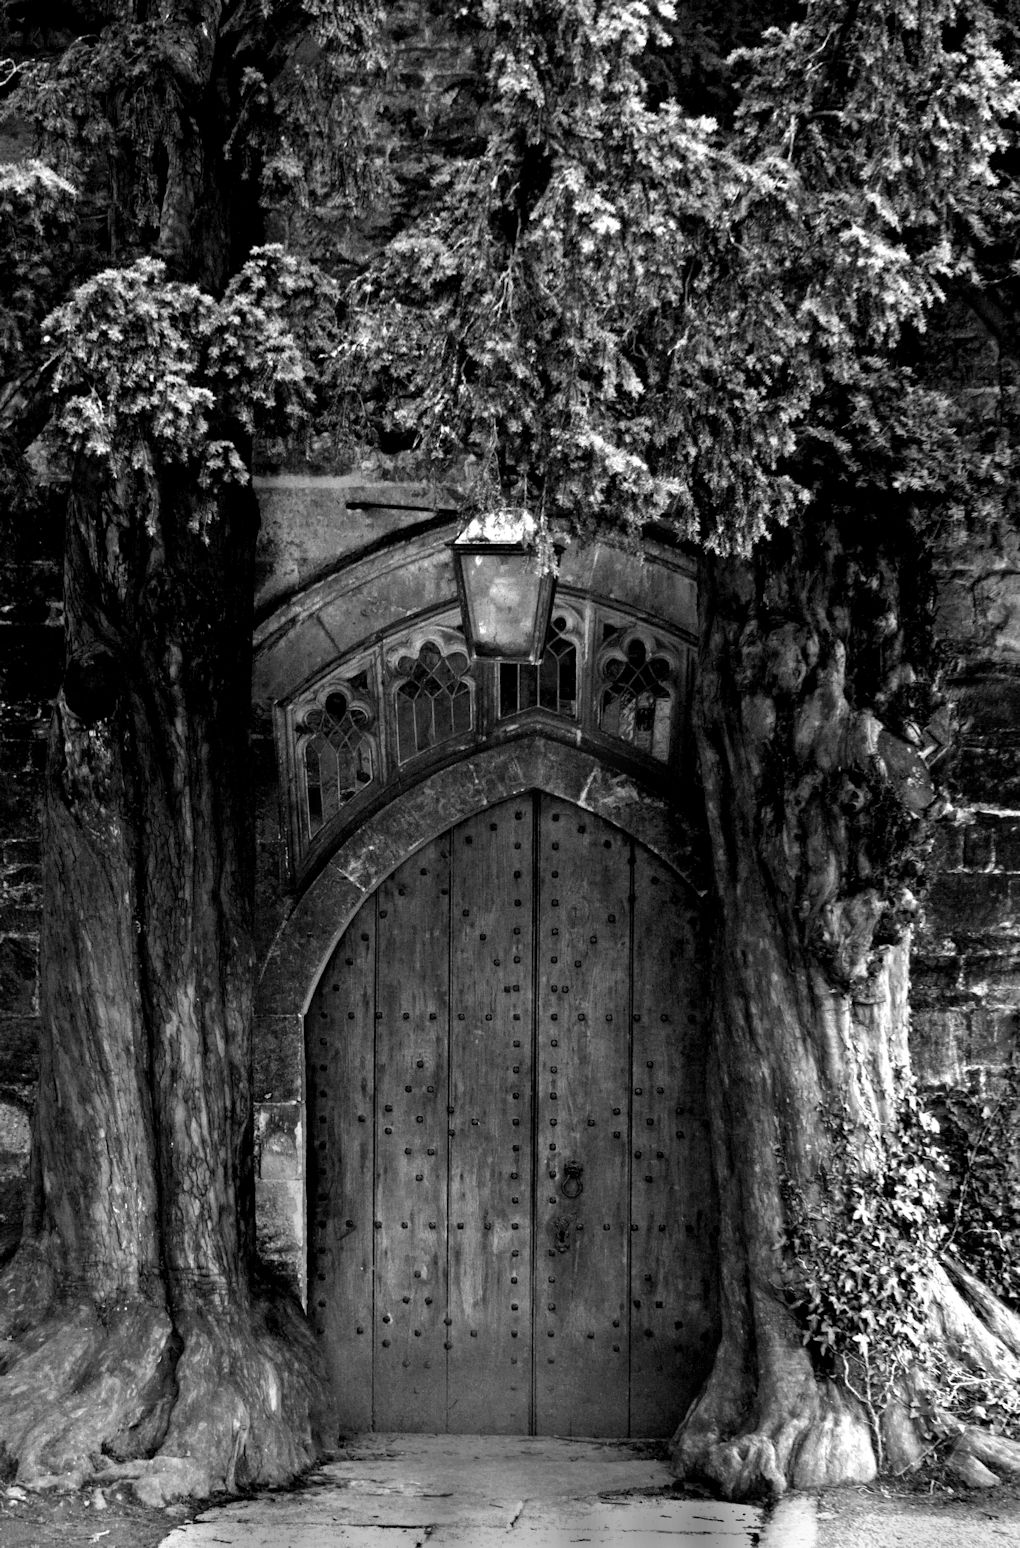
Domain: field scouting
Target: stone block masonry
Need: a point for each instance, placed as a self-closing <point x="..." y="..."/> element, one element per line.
<point x="966" y="974"/>
<point x="965" y="995"/>
<point x="31" y="646"/>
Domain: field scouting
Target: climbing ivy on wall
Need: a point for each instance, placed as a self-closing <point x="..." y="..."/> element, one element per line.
<point x="859" y="1246"/>
<point x="980" y="1132"/>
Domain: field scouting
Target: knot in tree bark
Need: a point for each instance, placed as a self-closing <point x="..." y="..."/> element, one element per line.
<point x="92" y="685"/>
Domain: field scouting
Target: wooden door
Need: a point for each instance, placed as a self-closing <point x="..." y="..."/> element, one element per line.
<point x="511" y="1215"/>
<point x="491" y="1119"/>
<point x="583" y="920"/>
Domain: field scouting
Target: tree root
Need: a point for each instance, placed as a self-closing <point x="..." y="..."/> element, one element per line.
<point x="78" y="1385"/>
<point x="969" y="1470"/>
<point x="997" y="1453"/>
<point x="993" y="1313"/>
<point x="824" y="1439"/>
<point x="813" y="1432"/>
<point x="248" y="1410"/>
<point x="223" y="1401"/>
<point x="967" y="1324"/>
<point x="28" y="1289"/>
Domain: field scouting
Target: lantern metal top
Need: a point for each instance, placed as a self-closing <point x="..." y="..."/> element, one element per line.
<point x="507" y="527"/>
<point x="505" y="591"/>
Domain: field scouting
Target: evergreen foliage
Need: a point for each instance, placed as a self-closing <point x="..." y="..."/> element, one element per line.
<point x="624" y="311"/>
<point x="36" y="221"/>
<point x="980" y="1131"/>
<point x="152" y="372"/>
<point x="631" y="310"/>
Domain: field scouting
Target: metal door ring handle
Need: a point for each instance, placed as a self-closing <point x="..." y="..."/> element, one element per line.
<point x="572" y="1187"/>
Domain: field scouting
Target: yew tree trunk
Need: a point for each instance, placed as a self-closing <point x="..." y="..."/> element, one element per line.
<point x="816" y="798"/>
<point x="137" y="1338"/>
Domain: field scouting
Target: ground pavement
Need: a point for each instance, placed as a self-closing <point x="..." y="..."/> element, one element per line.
<point x="426" y="1491"/>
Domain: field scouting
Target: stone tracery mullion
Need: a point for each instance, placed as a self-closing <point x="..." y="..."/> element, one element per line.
<point x="415" y="693"/>
<point x="637" y="690"/>
<point x="337" y="754"/>
<point x="427" y="681"/>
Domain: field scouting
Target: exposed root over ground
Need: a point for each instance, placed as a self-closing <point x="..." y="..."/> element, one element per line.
<point x="215" y="1402"/>
<point x="755" y="1435"/>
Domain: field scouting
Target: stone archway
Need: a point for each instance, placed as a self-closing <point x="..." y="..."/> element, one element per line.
<point x="511" y="1214"/>
<point x="309" y="935"/>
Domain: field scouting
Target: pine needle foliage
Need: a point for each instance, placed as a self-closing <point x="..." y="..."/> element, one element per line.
<point x="37" y="210"/>
<point x="631" y="310"/>
<point x="151" y="373"/>
<point x="267" y="82"/>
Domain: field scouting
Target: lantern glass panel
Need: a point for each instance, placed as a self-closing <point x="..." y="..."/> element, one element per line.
<point x="504" y="594"/>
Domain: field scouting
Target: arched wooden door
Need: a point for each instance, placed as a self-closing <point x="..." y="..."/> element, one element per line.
<point x="511" y="1211"/>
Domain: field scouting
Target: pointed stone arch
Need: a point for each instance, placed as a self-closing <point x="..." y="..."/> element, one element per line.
<point x="308" y="936"/>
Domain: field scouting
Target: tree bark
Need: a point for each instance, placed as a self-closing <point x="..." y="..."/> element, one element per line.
<point x="815" y="806"/>
<point x="135" y="1336"/>
<point x="155" y="1346"/>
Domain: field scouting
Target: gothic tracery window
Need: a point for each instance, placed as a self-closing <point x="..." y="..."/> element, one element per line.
<point x="414" y="693"/>
<point x="552" y="685"/>
<point x="637" y="693"/>
<point x="433" y="702"/>
<point x="337" y="751"/>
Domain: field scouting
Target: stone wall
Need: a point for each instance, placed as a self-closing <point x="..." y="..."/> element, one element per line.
<point x="417" y="108"/>
<point x="31" y="647"/>
<point x="966" y="977"/>
<point x="966" y="985"/>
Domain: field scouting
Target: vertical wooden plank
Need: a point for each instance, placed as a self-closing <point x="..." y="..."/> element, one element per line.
<point x="338" y="1046"/>
<point x="673" y="1260"/>
<point x="583" y="1079"/>
<point x="490" y="1128"/>
<point x="412" y="1029"/>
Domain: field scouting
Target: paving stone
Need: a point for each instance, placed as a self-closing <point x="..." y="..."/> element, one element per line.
<point x="860" y="1520"/>
<point x="324" y="1534"/>
<point x="637" y="1520"/>
<point x="477" y="1492"/>
<point x="792" y="1524"/>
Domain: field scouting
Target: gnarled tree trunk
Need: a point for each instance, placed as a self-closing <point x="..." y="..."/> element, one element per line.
<point x="136" y="1336"/>
<point x="816" y="798"/>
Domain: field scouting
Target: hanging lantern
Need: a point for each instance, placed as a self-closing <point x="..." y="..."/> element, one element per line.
<point x="505" y="592"/>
